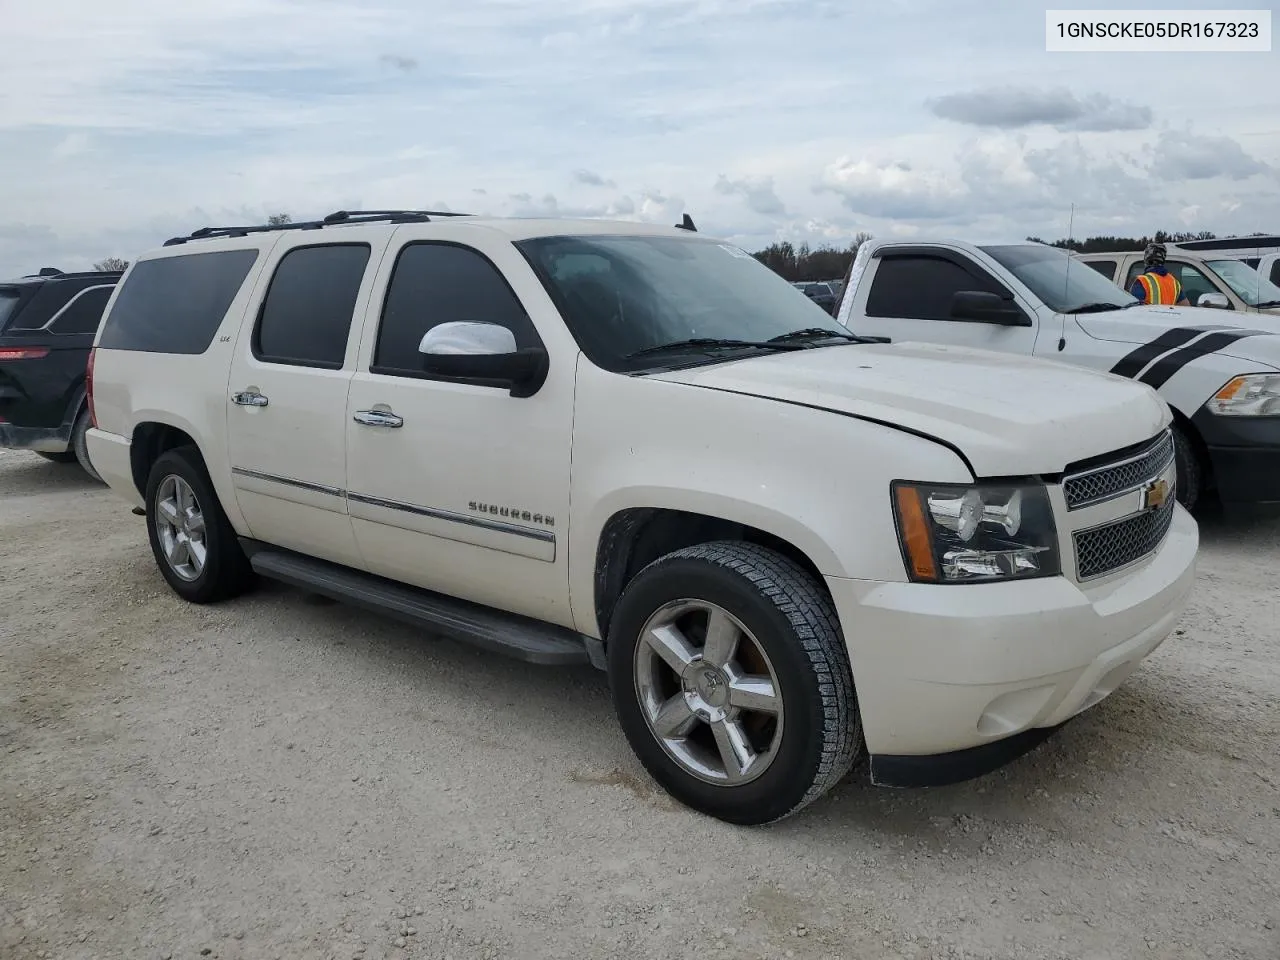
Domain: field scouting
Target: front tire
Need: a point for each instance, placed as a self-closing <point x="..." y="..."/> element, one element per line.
<point x="193" y="542"/>
<point x="1189" y="472"/>
<point x="731" y="681"/>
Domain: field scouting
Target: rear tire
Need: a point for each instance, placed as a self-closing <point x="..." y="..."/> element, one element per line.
<point x="1190" y="474"/>
<point x="194" y="544"/>
<point x="758" y="721"/>
<point x="80" y="444"/>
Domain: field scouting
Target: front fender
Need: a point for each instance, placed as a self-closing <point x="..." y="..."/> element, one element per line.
<point x="815" y="479"/>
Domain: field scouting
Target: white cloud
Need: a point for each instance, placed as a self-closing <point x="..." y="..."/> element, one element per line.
<point x="123" y="124"/>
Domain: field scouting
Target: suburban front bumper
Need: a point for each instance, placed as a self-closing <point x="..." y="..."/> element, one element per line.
<point x="946" y="668"/>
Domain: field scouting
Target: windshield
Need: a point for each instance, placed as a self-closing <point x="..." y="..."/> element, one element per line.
<point x="621" y="295"/>
<point x="1059" y="281"/>
<point x="1250" y="286"/>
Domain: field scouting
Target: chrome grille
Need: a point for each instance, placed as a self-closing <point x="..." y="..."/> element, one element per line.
<point x="1110" y="480"/>
<point x="1100" y="550"/>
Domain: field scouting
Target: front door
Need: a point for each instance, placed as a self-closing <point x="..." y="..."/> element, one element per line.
<point x="288" y="398"/>
<point x="457" y="486"/>
<point x="910" y="298"/>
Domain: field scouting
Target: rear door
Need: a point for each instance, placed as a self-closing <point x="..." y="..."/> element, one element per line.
<point x="909" y="297"/>
<point x="287" y="393"/>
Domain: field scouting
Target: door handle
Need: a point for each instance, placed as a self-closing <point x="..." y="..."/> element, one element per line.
<point x="378" y="418"/>
<point x="246" y="398"/>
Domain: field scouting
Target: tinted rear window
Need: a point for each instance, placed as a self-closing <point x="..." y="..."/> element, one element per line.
<point x="8" y="300"/>
<point x="83" y="313"/>
<point x="306" y="317"/>
<point x="176" y="304"/>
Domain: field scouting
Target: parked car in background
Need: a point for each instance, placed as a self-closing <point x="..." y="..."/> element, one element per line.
<point x="1219" y="282"/>
<point x="47" y="325"/>
<point x="1219" y="375"/>
<point x="790" y="552"/>
<point x="819" y="292"/>
<point x="1261" y="252"/>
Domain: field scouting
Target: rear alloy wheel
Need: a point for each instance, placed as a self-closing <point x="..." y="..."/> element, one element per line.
<point x="194" y="544"/>
<point x="731" y="681"/>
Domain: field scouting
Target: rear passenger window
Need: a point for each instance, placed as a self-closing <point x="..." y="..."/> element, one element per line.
<point x="306" y="316"/>
<point x="1105" y="267"/>
<point x="435" y="283"/>
<point x="83" y="313"/>
<point x="176" y="304"/>
<point x="920" y="287"/>
<point x="1275" y="272"/>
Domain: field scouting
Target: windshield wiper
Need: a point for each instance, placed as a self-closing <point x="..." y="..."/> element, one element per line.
<point x="711" y="343"/>
<point x="815" y="333"/>
<point x="1100" y="307"/>
<point x="1267" y="304"/>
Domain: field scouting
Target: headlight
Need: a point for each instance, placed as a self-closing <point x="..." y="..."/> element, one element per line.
<point x="976" y="534"/>
<point x="1252" y="395"/>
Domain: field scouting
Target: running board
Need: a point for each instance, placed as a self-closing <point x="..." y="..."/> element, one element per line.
<point x="514" y="636"/>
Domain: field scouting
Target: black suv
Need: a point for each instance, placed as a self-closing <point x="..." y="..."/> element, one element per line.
<point x="47" y="325"/>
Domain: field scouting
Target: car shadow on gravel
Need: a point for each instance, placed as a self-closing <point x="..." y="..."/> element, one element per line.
<point x="1219" y="529"/>
<point x="26" y="475"/>
<point x="1123" y="747"/>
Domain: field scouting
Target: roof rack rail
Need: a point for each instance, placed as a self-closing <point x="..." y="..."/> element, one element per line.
<point x="394" y="216"/>
<point x="333" y="219"/>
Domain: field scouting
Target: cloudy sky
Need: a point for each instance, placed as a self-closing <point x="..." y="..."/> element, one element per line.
<point x="125" y="122"/>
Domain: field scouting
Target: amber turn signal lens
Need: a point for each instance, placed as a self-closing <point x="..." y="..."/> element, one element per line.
<point x="915" y="533"/>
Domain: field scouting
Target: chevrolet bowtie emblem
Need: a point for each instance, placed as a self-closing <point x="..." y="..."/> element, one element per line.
<point x="1155" y="494"/>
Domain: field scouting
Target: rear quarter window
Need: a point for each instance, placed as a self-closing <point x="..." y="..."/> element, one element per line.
<point x="176" y="304"/>
<point x="8" y="305"/>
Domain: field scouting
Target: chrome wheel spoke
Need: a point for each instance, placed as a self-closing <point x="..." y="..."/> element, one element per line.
<point x="167" y="510"/>
<point x="670" y="644"/>
<point x="674" y="719"/>
<point x="753" y="693"/>
<point x="197" y="554"/>
<point x="735" y="749"/>
<point x="178" y="553"/>
<point x="195" y="525"/>
<point x="722" y="638"/>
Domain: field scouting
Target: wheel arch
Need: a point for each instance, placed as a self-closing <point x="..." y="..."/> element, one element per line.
<point x="150" y="439"/>
<point x="634" y="537"/>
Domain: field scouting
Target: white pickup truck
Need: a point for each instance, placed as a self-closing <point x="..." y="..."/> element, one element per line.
<point x="1219" y="374"/>
<point x="638" y="447"/>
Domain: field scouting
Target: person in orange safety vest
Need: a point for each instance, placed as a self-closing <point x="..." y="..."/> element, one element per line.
<point x="1157" y="285"/>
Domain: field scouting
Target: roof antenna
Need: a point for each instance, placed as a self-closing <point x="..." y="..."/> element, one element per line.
<point x="1066" y="277"/>
<point x="686" y="223"/>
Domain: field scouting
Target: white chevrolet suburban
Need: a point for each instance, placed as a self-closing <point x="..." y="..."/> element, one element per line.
<point x="791" y="548"/>
<point x="1219" y="374"/>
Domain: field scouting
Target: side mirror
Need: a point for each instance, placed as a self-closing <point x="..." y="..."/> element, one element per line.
<point x="981" y="307"/>
<point x="485" y="352"/>
<point x="1218" y="301"/>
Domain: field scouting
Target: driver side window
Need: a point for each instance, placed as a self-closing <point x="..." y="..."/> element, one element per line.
<point x="913" y="287"/>
<point x="1194" y="282"/>
<point x="435" y="283"/>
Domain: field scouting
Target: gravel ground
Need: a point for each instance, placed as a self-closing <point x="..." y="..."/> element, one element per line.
<point x="284" y="777"/>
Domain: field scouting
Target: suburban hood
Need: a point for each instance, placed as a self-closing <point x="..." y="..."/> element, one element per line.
<point x="1258" y="340"/>
<point x="1009" y="415"/>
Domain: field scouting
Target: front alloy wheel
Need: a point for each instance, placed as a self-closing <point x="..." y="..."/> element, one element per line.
<point x="709" y="693"/>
